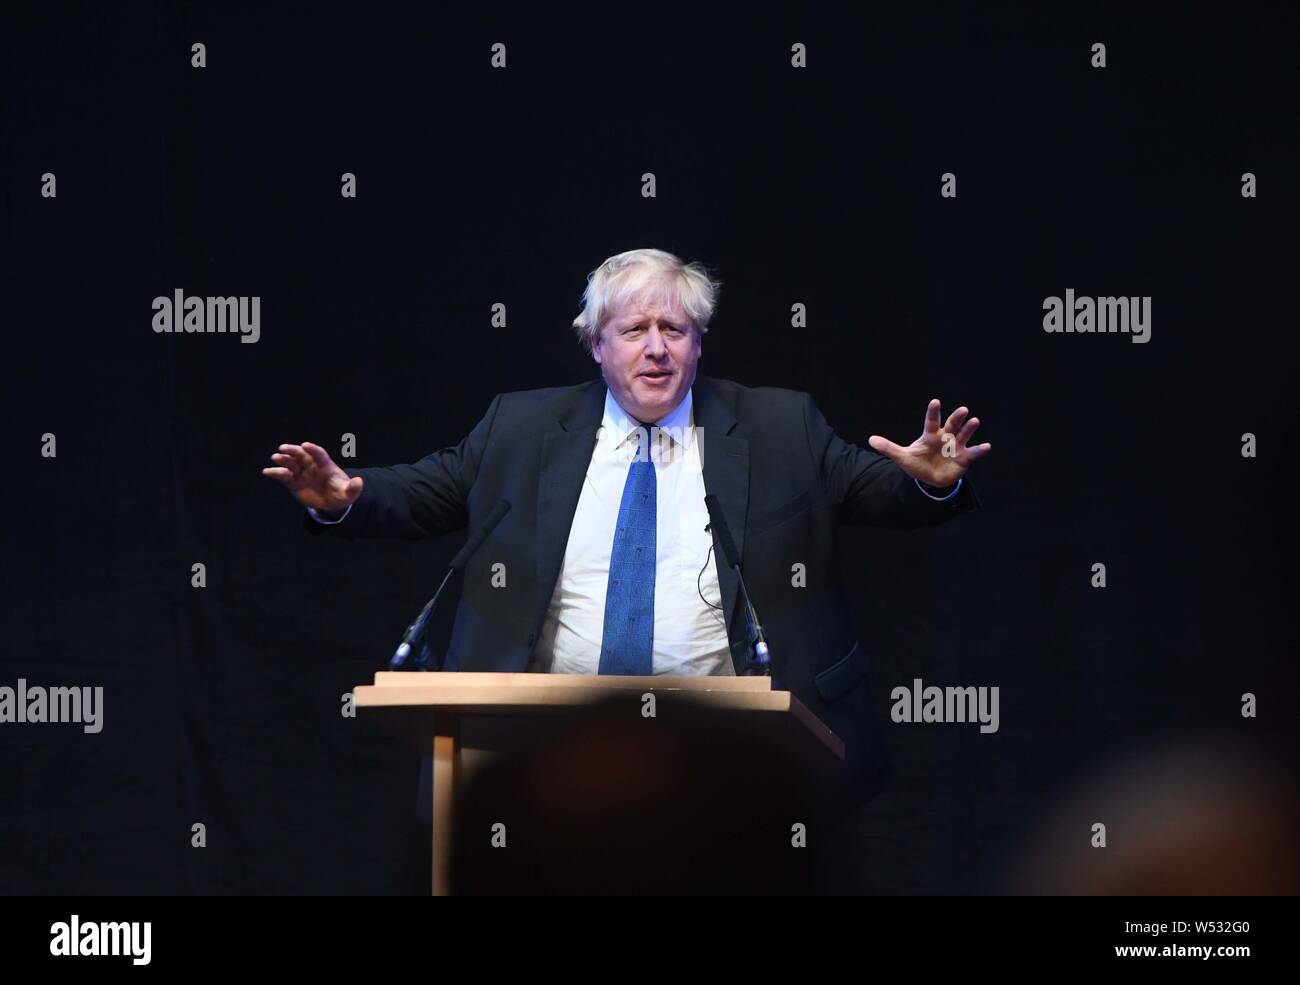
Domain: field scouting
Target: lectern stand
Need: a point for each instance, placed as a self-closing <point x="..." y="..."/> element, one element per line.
<point x="427" y="710"/>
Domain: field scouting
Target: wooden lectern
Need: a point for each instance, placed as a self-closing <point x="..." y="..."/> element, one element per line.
<point x="428" y="708"/>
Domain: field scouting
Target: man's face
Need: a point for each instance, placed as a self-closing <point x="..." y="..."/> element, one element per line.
<point x="648" y="357"/>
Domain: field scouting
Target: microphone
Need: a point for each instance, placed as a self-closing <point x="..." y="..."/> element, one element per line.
<point x="416" y="629"/>
<point x="722" y="537"/>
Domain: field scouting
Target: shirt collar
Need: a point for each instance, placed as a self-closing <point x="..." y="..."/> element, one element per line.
<point x="676" y="427"/>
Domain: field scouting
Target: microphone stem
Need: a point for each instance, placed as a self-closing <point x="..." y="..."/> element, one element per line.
<point x="755" y="627"/>
<point x="417" y="627"/>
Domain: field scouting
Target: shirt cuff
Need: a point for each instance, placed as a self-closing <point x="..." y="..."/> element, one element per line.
<point x="319" y="518"/>
<point x="938" y="499"/>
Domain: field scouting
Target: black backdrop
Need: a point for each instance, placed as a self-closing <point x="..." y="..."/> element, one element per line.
<point x="479" y="185"/>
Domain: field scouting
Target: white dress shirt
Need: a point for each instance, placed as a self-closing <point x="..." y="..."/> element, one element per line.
<point x="690" y="636"/>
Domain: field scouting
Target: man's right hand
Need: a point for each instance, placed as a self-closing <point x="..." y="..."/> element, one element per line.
<point x="313" y="479"/>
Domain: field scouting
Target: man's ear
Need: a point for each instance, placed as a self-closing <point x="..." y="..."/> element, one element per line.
<point x="595" y="349"/>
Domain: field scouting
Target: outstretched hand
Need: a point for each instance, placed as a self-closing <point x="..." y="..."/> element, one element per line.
<point x="940" y="456"/>
<point x="313" y="479"/>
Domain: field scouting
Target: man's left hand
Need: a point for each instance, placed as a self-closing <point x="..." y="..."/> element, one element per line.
<point x="940" y="456"/>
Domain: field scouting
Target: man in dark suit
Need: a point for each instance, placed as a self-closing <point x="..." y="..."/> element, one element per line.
<point x="605" y="562"/>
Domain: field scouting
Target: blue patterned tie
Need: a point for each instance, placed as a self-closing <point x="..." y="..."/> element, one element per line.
<point x="628" y="641"/>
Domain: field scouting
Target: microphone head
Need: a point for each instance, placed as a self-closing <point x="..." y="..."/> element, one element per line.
<point x="400" y="656"/>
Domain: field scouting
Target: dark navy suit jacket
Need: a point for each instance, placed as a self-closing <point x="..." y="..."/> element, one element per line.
<point x="785" y="482"/>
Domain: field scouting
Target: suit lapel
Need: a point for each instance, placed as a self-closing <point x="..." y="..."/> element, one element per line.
<point x="566" y="453"/>
<point x="726" y="475"/>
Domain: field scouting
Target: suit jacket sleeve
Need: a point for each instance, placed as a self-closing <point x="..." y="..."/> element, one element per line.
<point x="868" y="489"/>
<point x="426" y="498"/>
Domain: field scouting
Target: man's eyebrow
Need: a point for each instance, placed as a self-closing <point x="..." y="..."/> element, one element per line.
<point x="633" y="321"/>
